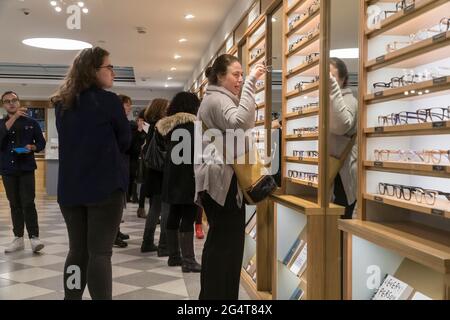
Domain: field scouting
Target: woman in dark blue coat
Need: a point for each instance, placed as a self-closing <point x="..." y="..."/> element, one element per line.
<point x="94" y="135"/>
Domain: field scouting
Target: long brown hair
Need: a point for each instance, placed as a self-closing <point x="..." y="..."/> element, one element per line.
<point x="81" y="76"/>
<point x="156" y="110"/>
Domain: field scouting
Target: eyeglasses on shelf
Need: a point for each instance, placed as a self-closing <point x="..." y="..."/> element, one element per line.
<point x="307" y="176"/>
<point x="305" y="107"/>
<point x="256" y="53"/>
<point x="306" y="130"/>
<point x="305" y="154"/>
<point x="300" y="85"/>
<point x="419" y="116"/>
<point x="405" y="192"/>
<point x="308" y="35"/>
<point x="401" y="5"/>
<point x="308" y="12"/>
<point x="425" y="156"/>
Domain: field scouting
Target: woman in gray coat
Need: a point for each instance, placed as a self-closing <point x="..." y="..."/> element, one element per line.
<point x="343" y="125"/>
<point x="216" y="184"/>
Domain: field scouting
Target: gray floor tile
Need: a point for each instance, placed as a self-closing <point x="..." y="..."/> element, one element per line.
<point x="54" y="283"/>
<point x="6" y="283"/>
<point x="8" y="267"/>
<point x="145" y="279"/>
<point x="51" y="296"/>
<point x="147" y="294"/>
<point x="142" y="264"/>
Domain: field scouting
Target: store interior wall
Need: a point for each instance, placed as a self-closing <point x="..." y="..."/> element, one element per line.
<point x="217" y="41"/>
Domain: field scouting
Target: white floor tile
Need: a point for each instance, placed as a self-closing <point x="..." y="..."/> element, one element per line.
<point x="118" y="272"/>
<point x="41" y="260"/>
<point x="27" y="275"/>
<point x="22" y="291"/>
<point x="120" y="258"/>
<point x="174" y="272"/>
<point x="177" y="287"/>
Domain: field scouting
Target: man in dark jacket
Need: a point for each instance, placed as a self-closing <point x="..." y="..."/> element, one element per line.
<point x="20" y="138"/>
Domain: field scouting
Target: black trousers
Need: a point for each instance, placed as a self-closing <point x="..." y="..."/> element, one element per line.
<point x="182" y="217"/>
<point x="224" y="248"/>
<point x="341" y="198"/>
<point x="199" y="218"/>
<point x="20" y="191"/>
<point x="92" y="230"/>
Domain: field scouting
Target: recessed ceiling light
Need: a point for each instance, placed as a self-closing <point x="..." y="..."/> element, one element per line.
<point x="166" y="85"/>
<point x="274" y="19"/>
<point x="58" y="9"/>
<point x="53" y="3"/>
<point x="189" y="16"/>
<point x="81" y="4"/>
<point x="169" y="78"/>
<point x="182" y="40"/>
<point x="56" y="44"/>
<point x="86" y="10"/>
<point x="173" y="69"/>
<point x="177" y="56"/>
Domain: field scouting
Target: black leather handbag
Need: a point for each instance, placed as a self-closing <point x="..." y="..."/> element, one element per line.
<point x="155" y="156"/>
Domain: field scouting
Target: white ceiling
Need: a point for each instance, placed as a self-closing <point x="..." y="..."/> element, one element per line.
<point x="115" y="21"/>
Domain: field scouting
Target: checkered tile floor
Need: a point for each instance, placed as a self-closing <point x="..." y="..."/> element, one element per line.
<point x="136" y="276"/>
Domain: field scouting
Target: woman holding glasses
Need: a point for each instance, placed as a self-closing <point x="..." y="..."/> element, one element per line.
<point x="343" y="126"/>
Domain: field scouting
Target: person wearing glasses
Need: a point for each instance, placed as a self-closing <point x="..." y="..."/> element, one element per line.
<point x="94" y="135"/>
<point x="224" y="107"/>
<point x="20" y="138"/>
<point x="343" y="125"/>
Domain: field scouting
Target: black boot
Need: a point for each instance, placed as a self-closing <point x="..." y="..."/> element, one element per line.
<point x="147" y="242"/>
<point x="173" y="248"/>
<point x="187" y="252"/>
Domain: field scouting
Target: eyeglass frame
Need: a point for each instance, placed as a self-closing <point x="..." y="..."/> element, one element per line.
<point x="11" y="102"/>
<point x="308" y="176"/>
<point x="309" y="154"/>
<point x="426" y="156"/>
<point x="305" y="130"/>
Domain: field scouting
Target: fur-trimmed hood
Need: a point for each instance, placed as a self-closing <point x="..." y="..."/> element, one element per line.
<point x="166" y="125"/>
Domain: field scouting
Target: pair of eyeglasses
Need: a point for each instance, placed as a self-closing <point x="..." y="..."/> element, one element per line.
<point x="306" y="154"/>
<point x="307" y="36"/>
<point x="304" y="130"/>
<point x="419" y="116"/>
<point x="401" y="5"/>
<point x="425" y="156"/>
<point x="259" y="83"/>
<point x="396" y="45"/>
<point x="309" y="12"/>
<point x="299" y="85"/>
<point x="305" y="107"/>
<point x="421" y="195"/>
<point x="256" y="53"/>
<point x="12" y="101"/>
<point x="308" y="176"/>
<point x="423" y="34"/>
<point x="110" y="67"/>
<point x="396" y="82"/>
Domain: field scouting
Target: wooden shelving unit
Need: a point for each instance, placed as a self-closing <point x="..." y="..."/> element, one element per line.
<point x="403" y="238"/>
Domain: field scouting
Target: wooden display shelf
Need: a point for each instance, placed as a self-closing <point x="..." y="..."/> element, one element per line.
<point x="419" y="53"/>
<point x="250" y="287"/>
<point x="411" y="19"/>
<point x="260" y="123"/>
<point x="425" y="245"/>
<point x="306" y="205"/>
<point x="301" y="23"/>
<point x="258" y="90"/>
<point x="307" y="89"/>
<point x="429" y="128"/>
<point x="435" y="85"/>
<point x="255" y="26"/>
<point x="257" y="42"/>
<point x="302" y="182"/>
<point x="302" y="114"/>
<point x="312" y="161"/>
<point x="295" y="6"/>
<point x="441" y="208"/>
<point x="260" y="106"/>
<point x="303" y="44"/>
<point x="307" y="66"/>
<point x="300" y="137"/>
<point x="257" y="58"/>
<point x="410" y="167"/>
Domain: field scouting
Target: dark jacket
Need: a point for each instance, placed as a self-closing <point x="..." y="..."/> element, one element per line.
<point x="23" y="132"/>
<point x="153" y="178"/>
<point x="178" y="185"/>
<point x="137" y="140"/>
<point x="93" y="138"/>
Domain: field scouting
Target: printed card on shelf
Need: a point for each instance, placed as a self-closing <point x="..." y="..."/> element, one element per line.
<point x="299" y="265"/>
<point x="420" y="296"/>
<point x="393" y="289"/>
<point x="253" y="232"/>
<point x="287" y="259"/>
<point x="251" y="224"/>
<point x="298" y="294"/>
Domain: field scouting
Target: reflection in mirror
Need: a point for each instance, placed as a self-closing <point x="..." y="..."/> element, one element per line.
<point x="343" y="113"/>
